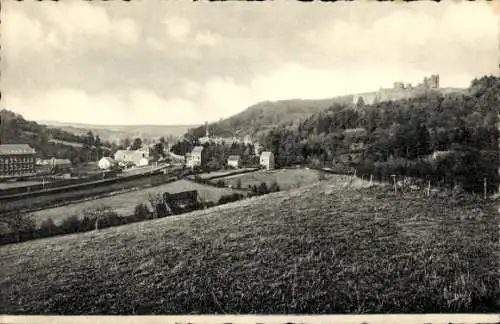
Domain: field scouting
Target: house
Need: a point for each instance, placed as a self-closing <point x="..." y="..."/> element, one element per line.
<point x="106" y="163"/>
<point x="16" y="160"/>
<point x="60" y="164"/>
<point x="197" y="157"/>
<point x="138" y="157"/>
<point x="233" y="161"/>
<point x="267" y="160"/>
<point x="257" y="149"/>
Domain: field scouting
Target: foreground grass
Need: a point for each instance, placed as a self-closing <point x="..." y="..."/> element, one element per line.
<point x="125" y="203"/>
<point x="320" y="249"/>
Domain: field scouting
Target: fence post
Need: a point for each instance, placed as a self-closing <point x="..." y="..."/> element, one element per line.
<point x="371" y="179"/>
<point x="485" y="187"/>
<point x="395" y="186"/>
<point x="429" y="188"/>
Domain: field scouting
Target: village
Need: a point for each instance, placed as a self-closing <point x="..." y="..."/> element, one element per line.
<point x="200" y="158"/>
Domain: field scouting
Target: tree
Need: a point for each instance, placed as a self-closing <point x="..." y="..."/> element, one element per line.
<point x="158" y="150"/>
<point x="137" y="144"/>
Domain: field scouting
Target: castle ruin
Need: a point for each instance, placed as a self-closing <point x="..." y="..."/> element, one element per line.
<point x="399" y="90"/>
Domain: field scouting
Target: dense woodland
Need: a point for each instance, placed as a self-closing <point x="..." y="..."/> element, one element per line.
<point x="399" y="136"/>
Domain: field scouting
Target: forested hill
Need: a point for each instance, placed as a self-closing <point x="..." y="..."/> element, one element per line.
<point x="393" y="133"/>
<point x="258" y="119"/>
<point x="48" y="142"/>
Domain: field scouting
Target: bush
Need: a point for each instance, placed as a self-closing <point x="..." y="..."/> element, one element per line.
<point x="47" y="228"/>
<point x="70" y="225"/>
<point x="230" y="198"/>
<point x="141" y="212"/>
<point x="274" y="187"/>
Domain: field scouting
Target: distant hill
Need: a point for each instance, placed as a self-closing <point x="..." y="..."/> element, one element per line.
<point x="114" y="133"/>
<point x="256" y="120"/>
<point x="48" y="142"/>
<point x="260" y="118"/>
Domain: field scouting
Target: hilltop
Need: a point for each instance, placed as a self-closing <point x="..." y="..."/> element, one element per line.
<point x="257" y="120"/>
<point x="318" y="249"/>
<point x="115" y="133"/>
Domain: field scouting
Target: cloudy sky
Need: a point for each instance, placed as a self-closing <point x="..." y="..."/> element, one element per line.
<point x="182" y="62"/>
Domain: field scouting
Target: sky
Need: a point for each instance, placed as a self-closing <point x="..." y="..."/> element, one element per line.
<point x="182" y="62"/>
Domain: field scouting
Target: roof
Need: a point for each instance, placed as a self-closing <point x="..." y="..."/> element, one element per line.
<point x="233" y="158"/>
<point x="266" y="154"/>
<point x="197" y="150"/>
<point x="60" y="161"/>
<point x="13" y="149"/>
<point x="109" y="159"/>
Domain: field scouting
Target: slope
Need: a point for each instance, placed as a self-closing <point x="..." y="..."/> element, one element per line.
<point x="319" y="249"/>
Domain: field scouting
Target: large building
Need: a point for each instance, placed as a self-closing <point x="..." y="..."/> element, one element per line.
<point x="267" y="160"/>
<point x="140" y="157"/>
<point x="16" y="160"/>
<point x="197" y="157"/>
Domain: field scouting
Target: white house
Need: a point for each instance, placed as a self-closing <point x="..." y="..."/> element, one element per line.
<point x="267" y="160"/>
<point x="197" y="157"/>
<point x="233" y="161"/>
<point x="106" y="163"/>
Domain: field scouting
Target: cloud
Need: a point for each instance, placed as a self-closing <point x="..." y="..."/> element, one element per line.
<point x="181" y="30"/>
<point x="65" y="26"/>
<point x="129" y="64"/>
<point x="20" y="33"/>
<point x="141" y="106"/>
<point x="408" y="35"/>
<point x="177" y="28"/>
<point x="83" y="22"/>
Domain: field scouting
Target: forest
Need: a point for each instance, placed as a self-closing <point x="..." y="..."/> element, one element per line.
<point x="398" y="137"/>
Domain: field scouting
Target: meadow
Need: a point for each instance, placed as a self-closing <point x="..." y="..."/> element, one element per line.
<point x="125" y="203"/>
<point x="322" y="249"/>
<point x="285" y="178"/>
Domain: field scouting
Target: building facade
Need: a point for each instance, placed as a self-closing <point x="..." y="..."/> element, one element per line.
<point x="197" y="158"/>
<point x="140" y="157"/>
<point x="16" y="160"/>
<point x="233" y="161"/>
<point x="106" y="163"/>
<point x="267" y="160"/>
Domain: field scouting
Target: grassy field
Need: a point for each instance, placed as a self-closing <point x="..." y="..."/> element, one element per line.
<point x="286" y="178"/>
<point x="318" y="249"/>
<point x="124" y="204"/>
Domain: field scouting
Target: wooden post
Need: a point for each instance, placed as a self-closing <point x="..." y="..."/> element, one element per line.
<point x="371" y="179"/>
<point x="395" y="185"/>
<point x="485" y="188"/>
<point x="429" y="188"/>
